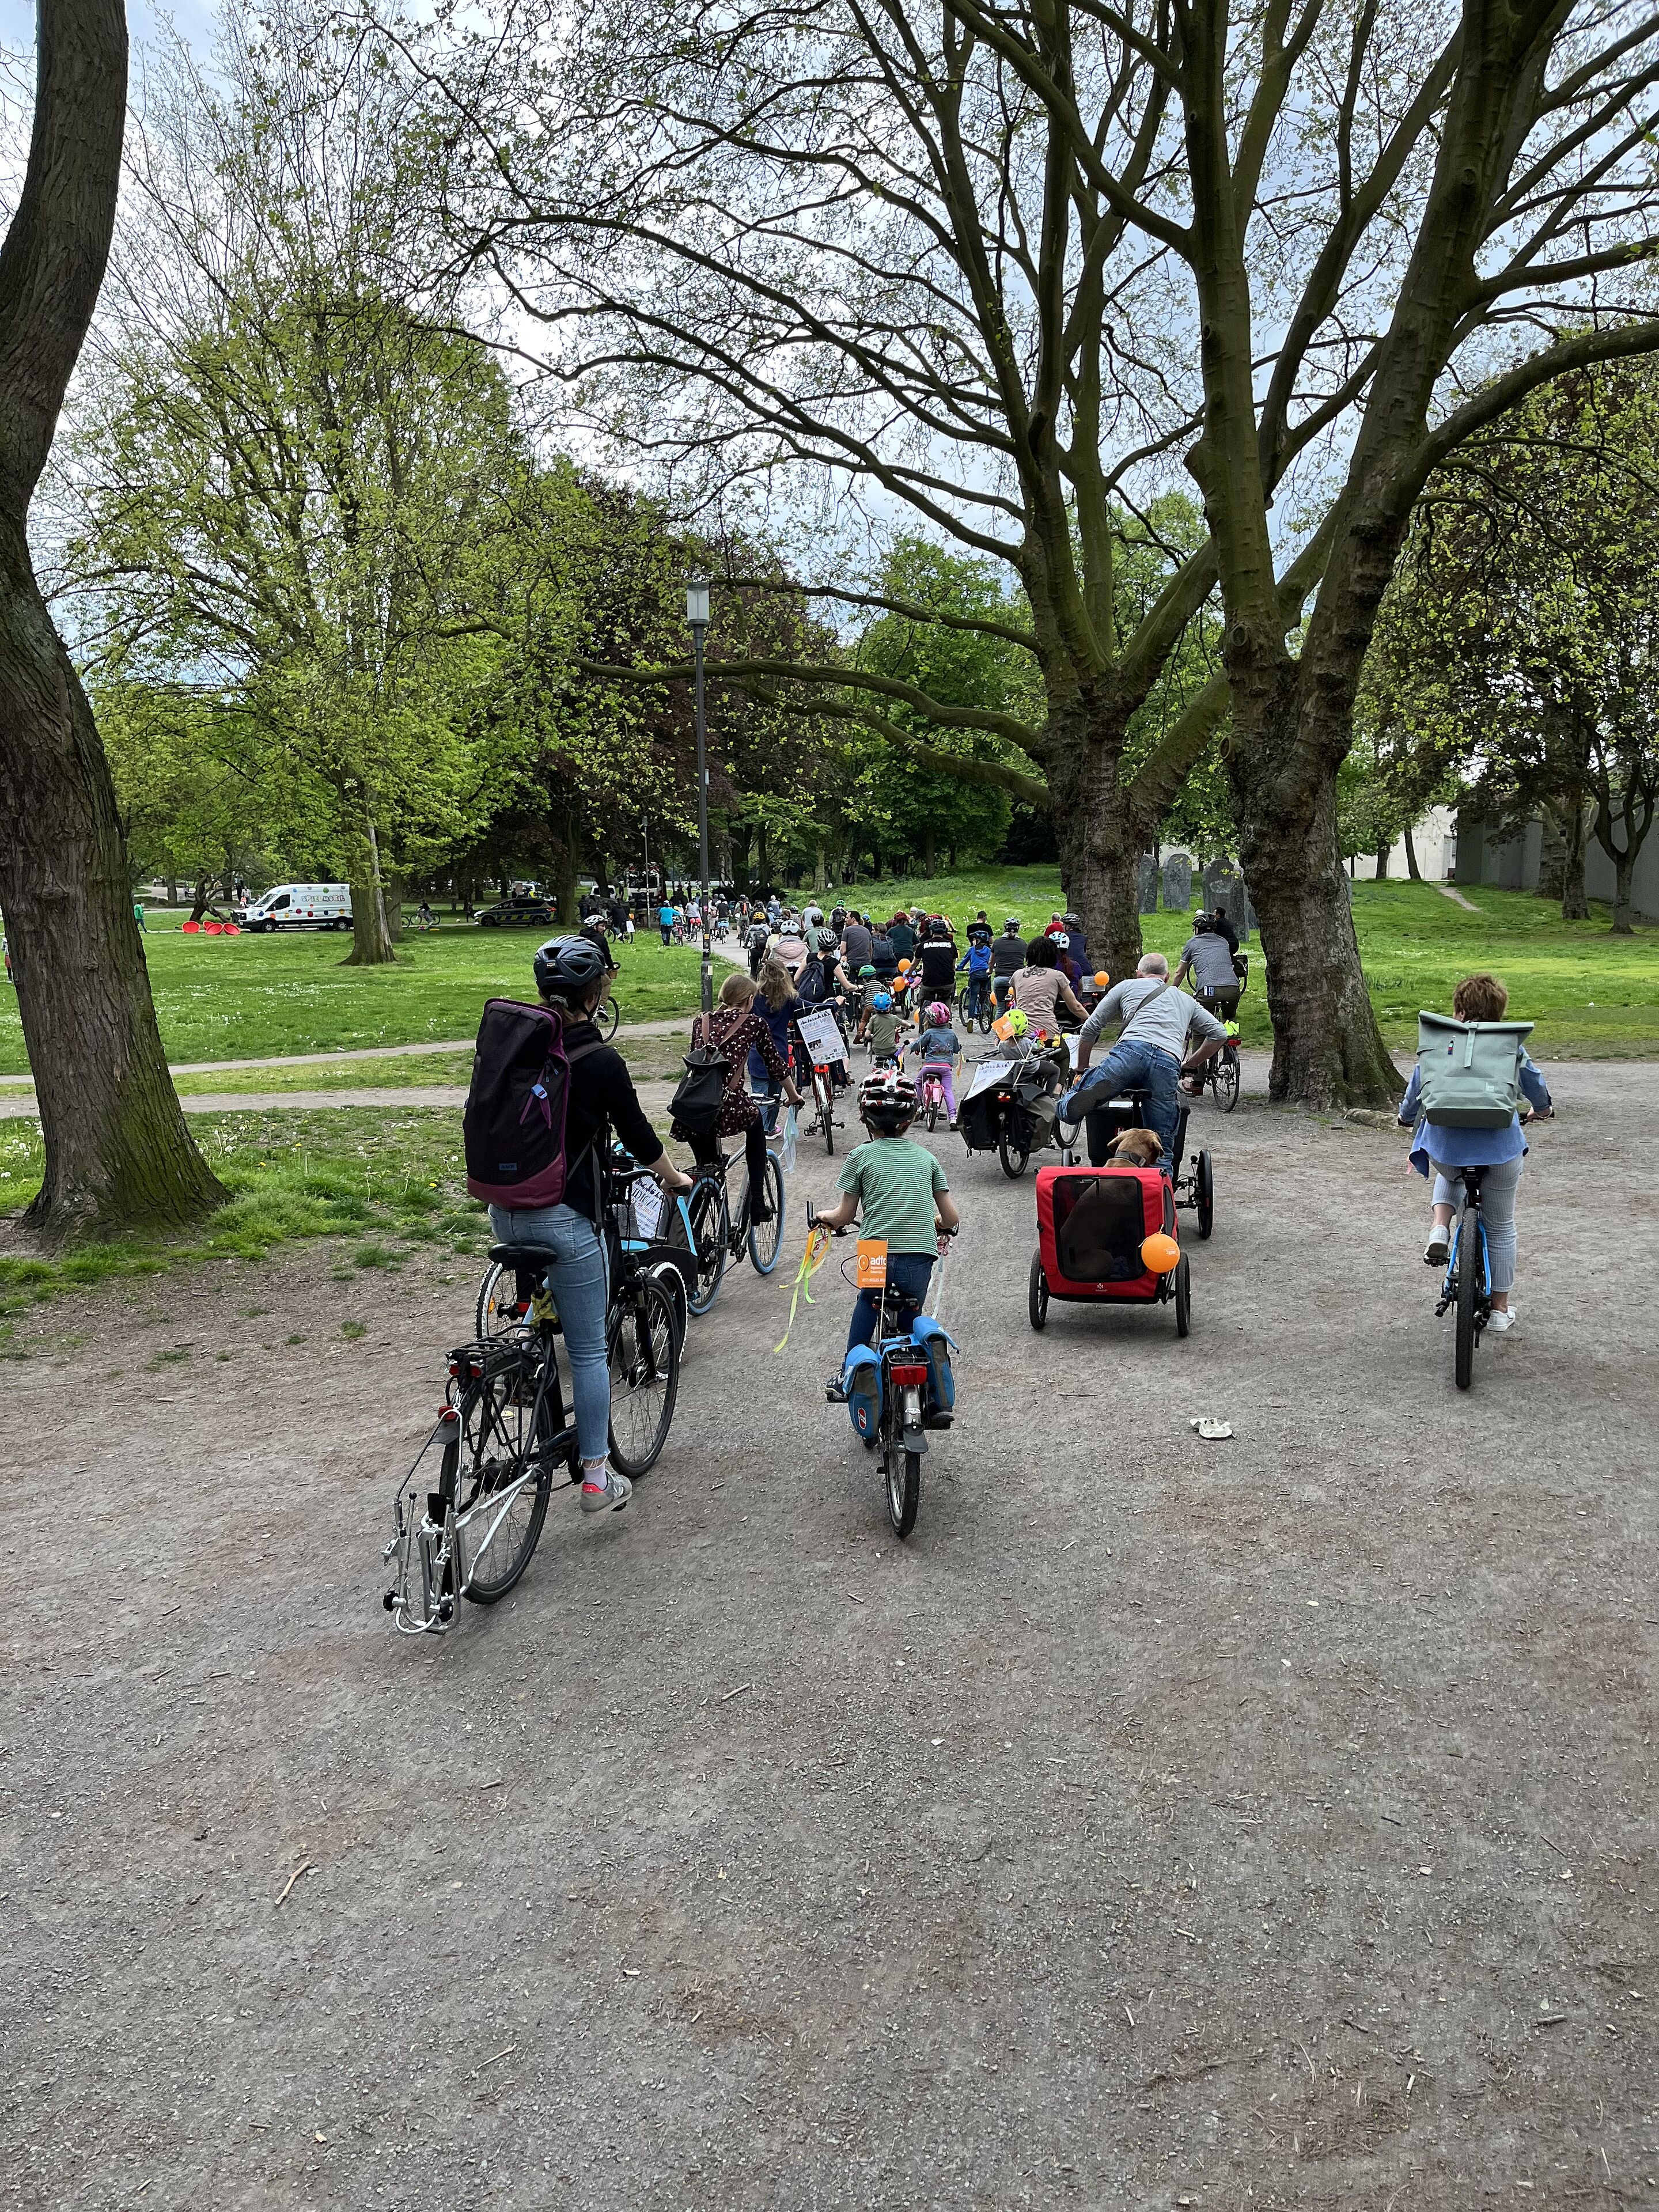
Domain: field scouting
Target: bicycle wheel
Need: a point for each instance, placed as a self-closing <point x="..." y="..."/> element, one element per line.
<point x="902" y="1474"/>
<point x="1183" y="1298"/>
<point x="698" y="1224"/>
<point x="644" y="1351"/>
<point x="933" y="1115"/>
<point x="1037" y="1294"/>
<point x="504" y="1474"/>
<point x="986" y="1014"/>
<point x="1225" y="1079"/>
<point x="766" y="1237"/>
<point x="1012" y="1155"/>
<point x="497" y="1313"/>
<point x="1204" y="1190"/>
<point x="1468" y="1259"/>
<point x="824" y="1089"/>
<point x="606" y="1019"/>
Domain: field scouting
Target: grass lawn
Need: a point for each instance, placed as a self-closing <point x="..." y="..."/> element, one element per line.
<point x="380" y="1180"/>
<point x="236" y="997"/>
<point x="1594" y="996"/>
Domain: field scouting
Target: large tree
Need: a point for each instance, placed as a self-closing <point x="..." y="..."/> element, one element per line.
<point x="1010" y="267"/>
<point x="117" y="1150"/>
<point x="289" y="472"/>
<point x="1521" y="635"/>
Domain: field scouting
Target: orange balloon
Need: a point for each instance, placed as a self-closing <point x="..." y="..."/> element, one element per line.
<point x="1161" y="1254"/>
<point x="1102" y="978"/>
<point x="904" y="967"/>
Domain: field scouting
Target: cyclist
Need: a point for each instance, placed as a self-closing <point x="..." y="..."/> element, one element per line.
<point x="938" y="1052"/>
<point x="1007" y="958"/>
<point x="1039" y="989"/>
<point x="1206" y="958"/>
<point x="857" y="942"/>
<point x="734" y="1030"/>
<point x="905" y="1196"/>
<point x="776" y="1003"/>
<point x="1444" y="1153"/>
<point x="882" y="1024"/>
<point x="976" y="960"/>
<point x="572" y="978"/>
<point x="1151" y="1059"/>
<point x="938" y="959"/>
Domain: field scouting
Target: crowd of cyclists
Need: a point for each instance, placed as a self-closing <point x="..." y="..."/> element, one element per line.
<point x="897" y="988"/>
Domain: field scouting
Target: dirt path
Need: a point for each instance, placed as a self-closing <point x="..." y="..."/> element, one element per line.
<point x="1266" y="1823"/>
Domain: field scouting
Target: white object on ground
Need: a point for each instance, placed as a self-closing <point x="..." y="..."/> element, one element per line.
<point x="1211" y="1430"/>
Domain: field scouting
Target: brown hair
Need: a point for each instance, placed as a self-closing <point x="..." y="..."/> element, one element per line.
<point x="1480" y="999"/>
<point x="737" y="990"/>
<point x="775" y="986"/>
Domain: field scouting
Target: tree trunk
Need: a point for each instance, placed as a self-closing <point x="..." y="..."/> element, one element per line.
<point x="1101" y="843"/>
<point x="371" y="932"/>
<point x="567" y="868"/>
<point x="172" y="889"/>
<point x="1412" y="868"/>
<point x="1575" y="899"/>
<point x="119" y="1153"/>
<point x="820" y="876"/>
<point x="1624" y="870"/>
<point x="929" y="847"/>
<point x="1383" y="853"/>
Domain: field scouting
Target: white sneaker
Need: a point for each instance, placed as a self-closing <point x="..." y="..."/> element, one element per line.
<point x="1439" y="1243"/>
<point x="1501" y="1319"/>
<point x="612" y="1498"/>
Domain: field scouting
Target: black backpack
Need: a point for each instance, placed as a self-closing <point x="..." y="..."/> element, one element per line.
<point x="513" y="1122"/>
<point x="701" y="1092"/>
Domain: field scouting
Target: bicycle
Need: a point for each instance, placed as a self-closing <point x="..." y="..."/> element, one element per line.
<point x="822" y="1088"/>
<point x="1467" y="1282"/>
<point x="970" y="1014"/>
<point x="504" y="1428"/>
<point x="930" y="1097"/>
<point x="1222" y="1075"/>
<point x="707" y="1229"/>
<point x="908" y="1363"/>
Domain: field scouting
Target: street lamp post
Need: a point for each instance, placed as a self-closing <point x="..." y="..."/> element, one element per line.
<point x="696" y="613"/>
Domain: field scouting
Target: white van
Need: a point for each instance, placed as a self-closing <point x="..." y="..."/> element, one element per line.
<point x="301" y="906"/>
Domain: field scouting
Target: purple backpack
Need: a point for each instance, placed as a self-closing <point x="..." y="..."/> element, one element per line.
<point x="512" y="1126"/>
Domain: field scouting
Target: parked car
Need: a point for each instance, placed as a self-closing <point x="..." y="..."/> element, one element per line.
<point x="516" y="914"/>
<point x="300" y="906"/>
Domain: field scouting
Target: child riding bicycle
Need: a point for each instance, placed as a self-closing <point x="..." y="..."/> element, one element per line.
<point x="904" y="1195"/>
<point x="938" y="1052"/>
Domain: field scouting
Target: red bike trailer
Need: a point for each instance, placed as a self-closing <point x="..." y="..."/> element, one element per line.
<point x="1092" y="1222"/>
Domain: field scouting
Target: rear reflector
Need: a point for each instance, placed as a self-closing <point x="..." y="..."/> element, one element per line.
<point x="909" y="1378"/>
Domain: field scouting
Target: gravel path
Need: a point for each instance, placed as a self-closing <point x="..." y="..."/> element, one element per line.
<point x="1267" y="1823"/>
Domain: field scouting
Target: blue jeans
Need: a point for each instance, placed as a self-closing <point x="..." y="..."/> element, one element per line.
<point x="1500" y="1185"/>
<point x="581" y="1291"/>
<point x="1133" y="1065"/>
<point x="978" y="989"/>
<point x="909" y="1273"/>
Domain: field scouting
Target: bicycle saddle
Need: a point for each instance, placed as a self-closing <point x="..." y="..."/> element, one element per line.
<point x="524" y="1255"/>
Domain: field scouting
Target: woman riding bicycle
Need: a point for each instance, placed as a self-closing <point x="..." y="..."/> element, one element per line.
<point x="572" y="977"/>
<point x="1040" y="990"/>
<point x="735" y="1030"/>
<point x="1444" y="1153"/>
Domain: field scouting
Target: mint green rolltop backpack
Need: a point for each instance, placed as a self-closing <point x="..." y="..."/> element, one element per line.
<point x="1471" y="1071"/>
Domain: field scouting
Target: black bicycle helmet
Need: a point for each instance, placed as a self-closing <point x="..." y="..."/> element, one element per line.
<point x="1012" y="923"/>
<point x="569" y="967"/>
<point x="887" y="1101"/>
<point x="1072" y="920"/>
<point x="826" y="940"/>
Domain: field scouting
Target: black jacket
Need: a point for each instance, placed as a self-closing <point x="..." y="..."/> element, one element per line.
<point x="602" y="1097"/>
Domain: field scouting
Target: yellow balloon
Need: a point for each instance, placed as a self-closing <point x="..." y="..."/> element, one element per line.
<point x="1160" y="1253"/>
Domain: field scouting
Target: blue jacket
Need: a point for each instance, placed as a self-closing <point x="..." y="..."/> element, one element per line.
<point x="1470" y="1148"/>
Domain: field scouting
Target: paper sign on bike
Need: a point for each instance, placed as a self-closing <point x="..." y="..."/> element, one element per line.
<point x="647" y="1211"/>
<point x="872" y="1263"/>
<point x="822" y="1036"/>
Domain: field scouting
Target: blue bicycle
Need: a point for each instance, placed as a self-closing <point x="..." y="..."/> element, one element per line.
<point x="896" y="1390"/>
<point x="1467" y="1285"/>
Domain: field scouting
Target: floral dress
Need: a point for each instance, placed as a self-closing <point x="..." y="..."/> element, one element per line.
<point x="735" y="1031"/>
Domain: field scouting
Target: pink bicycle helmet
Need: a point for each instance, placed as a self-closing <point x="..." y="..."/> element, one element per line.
<point x="939" y="1015"/>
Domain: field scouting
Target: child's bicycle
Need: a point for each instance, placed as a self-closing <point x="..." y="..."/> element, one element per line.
<point x="895" y="1389"/>
<point x="930" y="1097"/>
<point x="1468" y="1283"/>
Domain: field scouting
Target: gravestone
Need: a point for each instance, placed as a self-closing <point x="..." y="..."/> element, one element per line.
<point x="1178" y="880"/>
<point x="1223" y="887"/>
<point x="1148" y="884"/>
